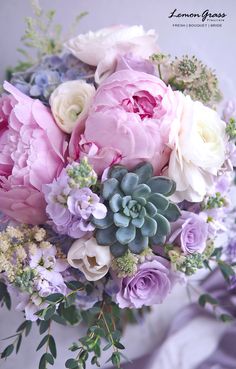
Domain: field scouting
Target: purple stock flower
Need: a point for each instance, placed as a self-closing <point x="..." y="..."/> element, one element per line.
<point x="190" y="232"/>
<point x="150" y="285"/>
<point x="49" y="268"/>
<point x="83" y="203"/>
<point x="70" y="209"/>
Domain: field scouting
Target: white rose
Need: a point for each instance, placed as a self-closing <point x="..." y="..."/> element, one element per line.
<point x="101" y="48"/>
<point x="70" y="103"/>
<point x="90" y="258"/>
<point x="198" y="143"/>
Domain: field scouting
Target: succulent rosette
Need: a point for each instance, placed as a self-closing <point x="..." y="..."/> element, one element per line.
<point x="114" y="185"/>
<point x="139" y="210"/>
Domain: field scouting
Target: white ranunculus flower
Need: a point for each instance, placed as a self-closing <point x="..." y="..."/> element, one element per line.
<point x="198" y="143"/>
<point x="101" y="48"/>
<point x="70" y="103"/>
<point x="90" y="258"/>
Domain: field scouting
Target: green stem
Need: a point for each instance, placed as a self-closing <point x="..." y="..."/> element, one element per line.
<point x="159" y="70"/>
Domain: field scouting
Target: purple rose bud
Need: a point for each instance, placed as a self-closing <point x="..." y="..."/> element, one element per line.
<point x="190" y="232"/>
<point x="150" y="285"/>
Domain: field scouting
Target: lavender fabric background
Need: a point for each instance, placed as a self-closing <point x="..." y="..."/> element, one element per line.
<point x="215" y="46"/>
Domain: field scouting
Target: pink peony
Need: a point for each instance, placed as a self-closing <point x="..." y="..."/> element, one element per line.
<point x="128" y="123"/>
<point x="32" y="150"/>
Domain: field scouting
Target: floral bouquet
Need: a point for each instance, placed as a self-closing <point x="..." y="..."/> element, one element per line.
<point x="115" y="170"/>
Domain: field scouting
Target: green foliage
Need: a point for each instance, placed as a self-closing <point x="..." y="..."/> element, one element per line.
<point x="102" y="321"/>
<point x="207" y="299"/>
<point x="187" y="264"/>
<point x="214" y="202"/>
<point x="226" y="318"/>
<point x="42" y="35"/>
<point x="23" y="329"/>
<point x="226" y="270"/>
<point x="25" y="280"/>
<point x="5" y="298"/>
<point x="231" y="129"/>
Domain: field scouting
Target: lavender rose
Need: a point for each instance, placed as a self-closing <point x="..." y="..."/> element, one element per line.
<point x="190" y="232"/>
<point x="150" y="285"/>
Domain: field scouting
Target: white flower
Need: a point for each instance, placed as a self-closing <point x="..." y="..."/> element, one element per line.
<point x="198" y="143"/>
<point x="90" y="258"/>
<point x="70" y="103"/>
<point x="101" y="48"/>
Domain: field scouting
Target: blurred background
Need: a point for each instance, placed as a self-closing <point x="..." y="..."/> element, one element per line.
<point x="216" y="47"/>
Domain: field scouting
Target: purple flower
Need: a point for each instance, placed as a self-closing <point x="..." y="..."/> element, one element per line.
<point x="83" y="203"/>
<point x="130" y="61"/>
<point x="190" y="232"/>
<point x="229" y="110"/>
<point x="49" y="268"/>
<point x="150" y="285"/>
<point x="70" y="209"/>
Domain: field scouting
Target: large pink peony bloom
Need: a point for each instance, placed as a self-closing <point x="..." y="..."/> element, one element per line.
<point x="128" y="123"/>
<point x="32" y="150"/>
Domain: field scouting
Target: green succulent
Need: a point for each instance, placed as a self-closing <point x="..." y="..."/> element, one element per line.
<point x="138" y="210"/>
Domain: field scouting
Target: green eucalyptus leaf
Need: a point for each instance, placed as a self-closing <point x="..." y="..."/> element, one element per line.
<point x="226" y="318"/>
<point x="44" y="325"/>
<point x="55" y="297"/>
<point x="7" y="351"/>
<point x="52" y="346"/>
<point x="71" y="364"/>
<point x="74" y="285"/>
<point x="206" y="298"/>
<point x="19" y="341"/>
<point x="43" y="342"/>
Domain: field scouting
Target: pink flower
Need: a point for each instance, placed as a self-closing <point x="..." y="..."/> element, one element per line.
<point x="128" y="123"/>
<point x="32" y="151"/>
